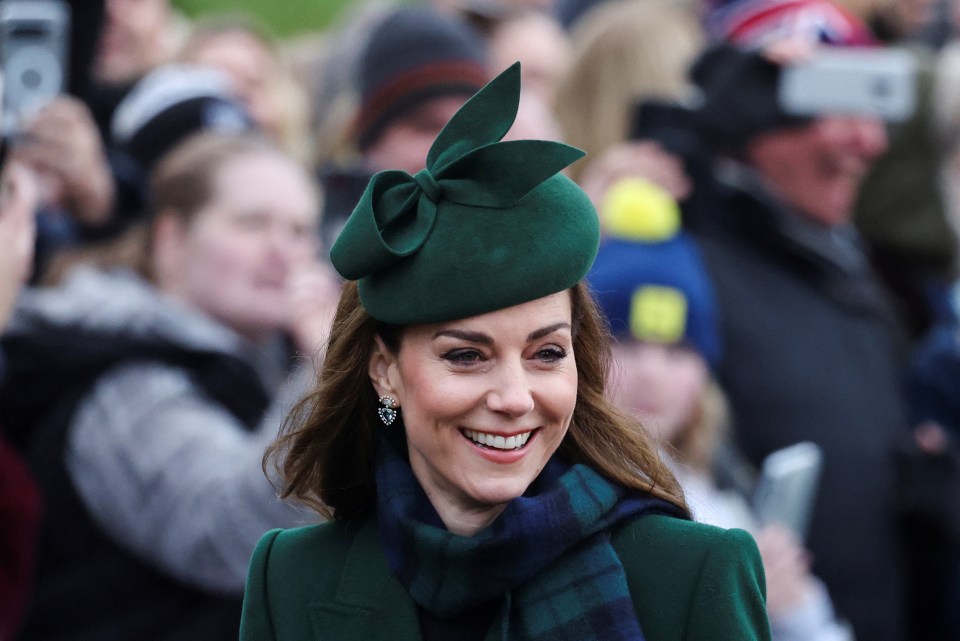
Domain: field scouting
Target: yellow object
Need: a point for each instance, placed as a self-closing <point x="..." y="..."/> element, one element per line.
<point x="637" y="209"/>
<point x="658" y="314"/>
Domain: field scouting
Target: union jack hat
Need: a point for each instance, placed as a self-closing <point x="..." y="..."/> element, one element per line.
<point x="757" y="23"/>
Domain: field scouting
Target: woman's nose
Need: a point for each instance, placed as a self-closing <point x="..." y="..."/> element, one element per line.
<point x="511" y="393"/>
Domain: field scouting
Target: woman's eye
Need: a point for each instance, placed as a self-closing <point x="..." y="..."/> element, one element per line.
<point x="551" y="354"/>
<point x="463" y="356"/>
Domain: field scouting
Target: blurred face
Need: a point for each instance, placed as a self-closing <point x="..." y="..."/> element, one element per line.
<point x="236" y="257"/>
<point x="135" y="38"/>
<point x="540" y="44"/>
<point x="534" y="120"/>
<point x="404" y="144"/>
<point x="250" y="67"/>
<point x="817" y="169"/>
<point x="486" y="401"/>
<point x="659" y="384"/>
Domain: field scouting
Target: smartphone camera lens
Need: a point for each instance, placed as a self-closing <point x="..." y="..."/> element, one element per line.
<point x="882" y="88"/>
<point x="31" y="79"/>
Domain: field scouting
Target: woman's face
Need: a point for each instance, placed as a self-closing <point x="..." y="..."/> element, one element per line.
<point x="235" y="258"/>
<point x="486" y="401"/>
<point x="659" y="384"/>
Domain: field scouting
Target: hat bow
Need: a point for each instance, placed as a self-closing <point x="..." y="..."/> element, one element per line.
<point x="466" y="165"/>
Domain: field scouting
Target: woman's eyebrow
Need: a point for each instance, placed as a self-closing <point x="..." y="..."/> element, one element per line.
<point x="483" y="339"/>
<point x="546" y="331"/>
<point x="473" y="337"/>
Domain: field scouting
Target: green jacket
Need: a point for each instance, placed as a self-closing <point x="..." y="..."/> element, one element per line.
<point x="689" y="582"/>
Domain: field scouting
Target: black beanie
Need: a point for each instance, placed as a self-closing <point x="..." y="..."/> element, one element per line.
<point x="414" y="54"/>
<point x="739" y="96"/>
<point x="170" y="104"/>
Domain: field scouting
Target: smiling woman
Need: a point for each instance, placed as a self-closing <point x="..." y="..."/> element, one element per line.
<point x="470" y="390"/>
<point x="480" y="483"/>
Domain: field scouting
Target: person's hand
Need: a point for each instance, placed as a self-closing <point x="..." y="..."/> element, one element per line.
<point x="313" y="295"/>
<point x="18" y="203"/>
<point x="787" y="566"/>
<point x="63" y="144"/>
<point x="635" y="159"/>
<point x="931" y="437"/>
<point x="788" y="51"/>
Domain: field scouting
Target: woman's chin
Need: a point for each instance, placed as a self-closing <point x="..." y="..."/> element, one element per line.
<point x="494" y="494"/>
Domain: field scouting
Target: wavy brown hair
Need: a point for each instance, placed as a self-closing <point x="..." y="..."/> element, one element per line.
<point x="325" y="452"/>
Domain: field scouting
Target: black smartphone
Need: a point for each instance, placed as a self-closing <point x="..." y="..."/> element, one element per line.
<point x="671" y="124"/>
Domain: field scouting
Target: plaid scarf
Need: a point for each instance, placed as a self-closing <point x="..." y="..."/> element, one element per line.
<point x="549" y="550"/>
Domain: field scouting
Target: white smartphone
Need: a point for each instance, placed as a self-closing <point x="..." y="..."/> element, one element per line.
<point x="860" y="81"/>
<point x="34" y="37"/>
<point x="787" y="487"/>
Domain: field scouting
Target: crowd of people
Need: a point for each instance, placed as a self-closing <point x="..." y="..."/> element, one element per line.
<point x="181" y="229"/>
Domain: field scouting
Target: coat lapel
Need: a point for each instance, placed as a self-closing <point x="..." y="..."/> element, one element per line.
<point x="370" y="603"/>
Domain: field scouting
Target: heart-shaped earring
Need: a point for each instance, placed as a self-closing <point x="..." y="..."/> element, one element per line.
<point x="388" y="413"/>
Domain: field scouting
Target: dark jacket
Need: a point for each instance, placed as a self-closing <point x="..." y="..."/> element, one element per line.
<point x="811" y="352"/>
<point x="688" y="581"/>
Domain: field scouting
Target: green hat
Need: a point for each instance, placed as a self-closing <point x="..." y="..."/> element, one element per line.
<point x="486" y="225"/>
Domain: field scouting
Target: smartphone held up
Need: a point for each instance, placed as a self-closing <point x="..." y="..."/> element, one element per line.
<point x="34" y="37"/>
<point x="786" y="490"/>
<point x="854" y="81"/>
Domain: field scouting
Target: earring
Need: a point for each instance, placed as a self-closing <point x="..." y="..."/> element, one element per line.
<point x="388" y="413"/>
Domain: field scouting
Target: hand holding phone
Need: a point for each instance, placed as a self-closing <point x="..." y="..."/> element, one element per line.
<point x="62" y="143"/>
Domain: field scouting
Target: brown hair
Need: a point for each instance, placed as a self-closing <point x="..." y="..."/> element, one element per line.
<point x="325" y="453"/>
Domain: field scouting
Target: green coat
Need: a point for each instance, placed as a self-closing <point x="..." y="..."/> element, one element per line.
<point x="688" y="581"/>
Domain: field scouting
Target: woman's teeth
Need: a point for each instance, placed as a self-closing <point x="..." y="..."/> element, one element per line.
<point x="498" y="442"/>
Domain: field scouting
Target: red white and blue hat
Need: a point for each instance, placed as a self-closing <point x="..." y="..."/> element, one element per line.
<point x="757" y="23"/>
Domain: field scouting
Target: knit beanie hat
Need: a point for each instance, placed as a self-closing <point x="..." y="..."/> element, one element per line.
<point x="168" y="105"/>
<point x="738" y="96"/>
<point x="413" y="55"/>
<point x="649" y="277"/>
<point x="756" y="23"/>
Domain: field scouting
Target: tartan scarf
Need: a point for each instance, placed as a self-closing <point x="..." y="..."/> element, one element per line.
<point x="549" y="551"/>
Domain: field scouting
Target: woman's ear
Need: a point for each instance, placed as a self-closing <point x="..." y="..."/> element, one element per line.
<point x="383" y="370"/>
